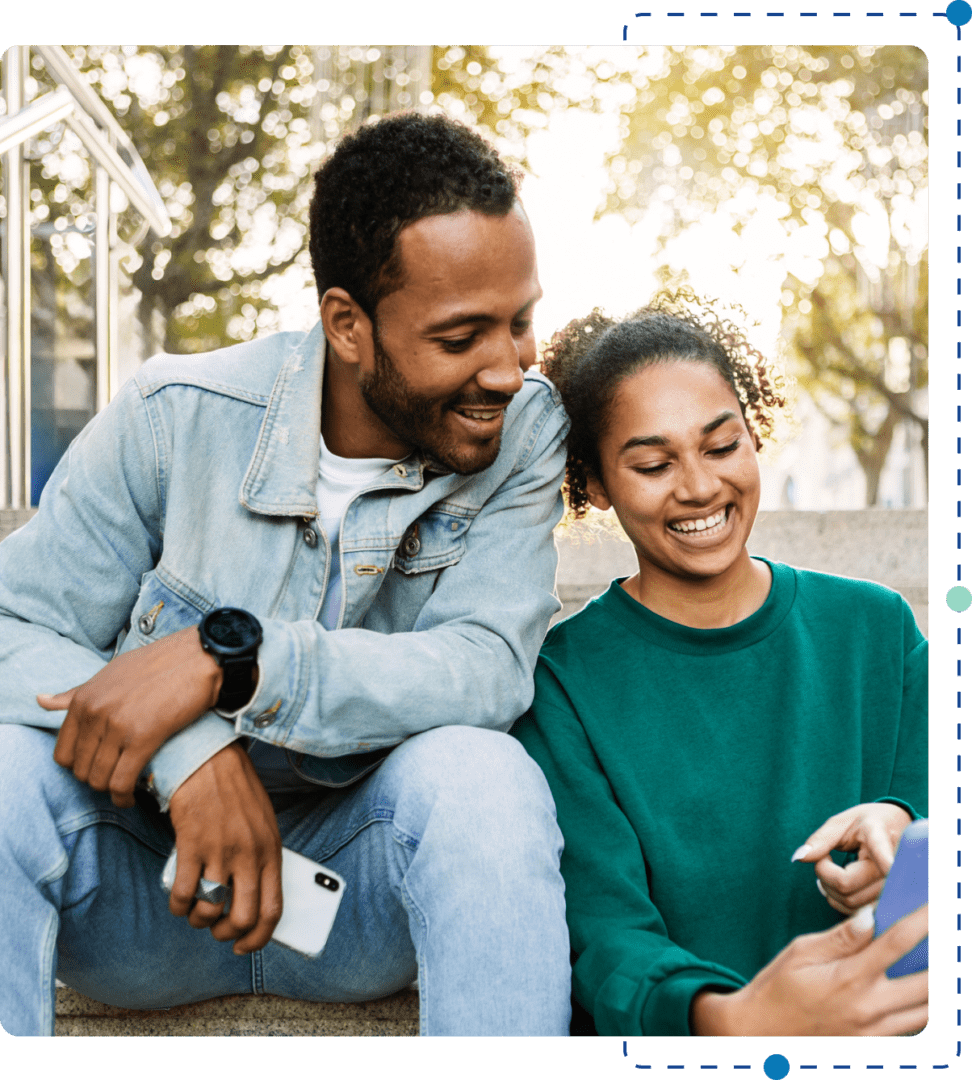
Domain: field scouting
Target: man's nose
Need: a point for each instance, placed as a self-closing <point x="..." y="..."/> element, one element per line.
<point x="503" y="372"/>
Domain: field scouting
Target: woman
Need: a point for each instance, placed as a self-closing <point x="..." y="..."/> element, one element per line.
<point x="704" y="718"/>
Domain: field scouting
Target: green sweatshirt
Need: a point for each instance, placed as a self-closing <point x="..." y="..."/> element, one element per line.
<point x="688" y="765"/>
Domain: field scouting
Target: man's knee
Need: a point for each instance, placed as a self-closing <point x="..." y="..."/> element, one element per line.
<point x="39" y="800"/>
<point x="27" y="763"/>
<point x="475" y="770"/>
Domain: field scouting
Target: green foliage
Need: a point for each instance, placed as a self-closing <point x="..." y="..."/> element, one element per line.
<point x="232" y="135"/>
<point x="836" y="137"/>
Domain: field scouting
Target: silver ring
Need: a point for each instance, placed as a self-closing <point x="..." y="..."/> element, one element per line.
<point x="211" y="891"/>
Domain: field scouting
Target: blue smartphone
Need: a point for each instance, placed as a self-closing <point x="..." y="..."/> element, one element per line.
<point x="905" y="890"/>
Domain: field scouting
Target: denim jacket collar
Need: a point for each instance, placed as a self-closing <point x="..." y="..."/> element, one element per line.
<point x="281" y="480"/>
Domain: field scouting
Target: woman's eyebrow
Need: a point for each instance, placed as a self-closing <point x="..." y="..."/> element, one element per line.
<point x="660" y="440"/>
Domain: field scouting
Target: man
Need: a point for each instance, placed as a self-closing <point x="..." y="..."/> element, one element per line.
<point x="373" y="501"/>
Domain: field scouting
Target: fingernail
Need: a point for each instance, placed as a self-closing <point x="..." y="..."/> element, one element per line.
<point x="803" y="849"/>
<point x="863" y="919"/>
<point x="821" y="889"/>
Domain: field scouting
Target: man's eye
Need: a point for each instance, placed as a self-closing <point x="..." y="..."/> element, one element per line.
<point x="457" y="344"/>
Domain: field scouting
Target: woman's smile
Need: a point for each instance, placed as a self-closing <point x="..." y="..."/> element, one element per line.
<point x="703" y="528"/>
<point x="678" y="464"/>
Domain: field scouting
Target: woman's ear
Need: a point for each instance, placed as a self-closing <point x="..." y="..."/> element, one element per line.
<point x="596" y="494"/>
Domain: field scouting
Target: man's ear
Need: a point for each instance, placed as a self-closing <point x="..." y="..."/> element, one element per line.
<point x="346" y="326"/>
<point x="596" y="493"/>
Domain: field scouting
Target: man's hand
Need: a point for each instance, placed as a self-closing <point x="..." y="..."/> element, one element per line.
<point x="226" y="831"/>
<point x="832" y="983"/>
<point x="873" y="831"/>
<point x="118" y="719"/>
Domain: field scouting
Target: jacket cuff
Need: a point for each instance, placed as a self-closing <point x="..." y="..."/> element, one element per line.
<point x="281" y="685"/>
<point x="178" y="758"/>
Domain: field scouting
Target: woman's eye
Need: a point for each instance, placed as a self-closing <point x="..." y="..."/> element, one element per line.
<point x="651" y="470"/>
<point x="722" y="451"/>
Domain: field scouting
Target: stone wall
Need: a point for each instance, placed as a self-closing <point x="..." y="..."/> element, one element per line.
<point x="888" y="546"/>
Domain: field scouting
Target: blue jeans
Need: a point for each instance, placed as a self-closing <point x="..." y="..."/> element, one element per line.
<point x="450" y="851"/>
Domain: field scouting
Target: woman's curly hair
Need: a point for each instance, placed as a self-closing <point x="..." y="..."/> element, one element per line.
<point x="590" y="357"/>
<point x="384" y="176"/>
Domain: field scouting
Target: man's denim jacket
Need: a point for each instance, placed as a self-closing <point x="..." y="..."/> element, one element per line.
<point x="196" y="488"/>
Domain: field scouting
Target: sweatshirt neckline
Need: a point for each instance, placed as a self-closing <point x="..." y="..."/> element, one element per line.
<point x="675" y="637"/>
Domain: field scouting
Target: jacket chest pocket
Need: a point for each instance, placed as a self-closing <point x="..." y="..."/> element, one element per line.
<point x="436" y="540"/>
<point x="160" y="611"/>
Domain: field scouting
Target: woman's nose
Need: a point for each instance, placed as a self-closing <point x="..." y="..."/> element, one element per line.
<point x="697" y="482"/>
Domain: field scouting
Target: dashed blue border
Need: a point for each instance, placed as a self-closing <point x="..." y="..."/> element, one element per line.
<point x="940" y="1043"/>
<point x="784" y="14"/>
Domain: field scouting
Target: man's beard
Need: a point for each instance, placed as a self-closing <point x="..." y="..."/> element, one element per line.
<point x="422" y="421"/>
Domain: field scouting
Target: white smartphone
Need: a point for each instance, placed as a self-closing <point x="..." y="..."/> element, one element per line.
<point x="311" y="895"/>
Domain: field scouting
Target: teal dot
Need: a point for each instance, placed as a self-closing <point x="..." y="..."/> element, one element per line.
<point x="958" y="598"/>
<point x="776" y="1066"/>
<point x="958" y="13"/>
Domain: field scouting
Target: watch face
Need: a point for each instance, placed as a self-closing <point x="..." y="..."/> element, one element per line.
<point x="232" y="629"/>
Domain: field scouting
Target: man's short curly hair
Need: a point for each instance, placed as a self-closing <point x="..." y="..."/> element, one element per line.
<point x="383" y="177"/>
<point x="590" y="357"/>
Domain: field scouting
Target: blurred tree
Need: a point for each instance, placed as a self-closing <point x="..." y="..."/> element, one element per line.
<point x="834" y="141"/>
<point x="231" y="136"/>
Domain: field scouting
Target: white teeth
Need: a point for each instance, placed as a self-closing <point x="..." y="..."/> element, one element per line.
<point x="480" y="415"/>
<point x="701" y="524"/>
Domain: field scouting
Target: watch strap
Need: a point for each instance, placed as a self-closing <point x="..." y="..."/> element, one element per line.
<point x="237" y="686"/>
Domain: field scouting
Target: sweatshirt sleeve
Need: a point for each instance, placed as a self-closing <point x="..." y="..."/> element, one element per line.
<point x="629" y="975"/>
<point x="909" y="780"/>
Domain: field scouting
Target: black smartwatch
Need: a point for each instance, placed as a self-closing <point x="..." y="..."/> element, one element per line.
<point x="232" y="636"/>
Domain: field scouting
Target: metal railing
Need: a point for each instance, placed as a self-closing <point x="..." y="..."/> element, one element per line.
<point x="115" y="159"/>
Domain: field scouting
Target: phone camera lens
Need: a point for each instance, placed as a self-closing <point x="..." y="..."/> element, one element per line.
<point x="327" y="882"/>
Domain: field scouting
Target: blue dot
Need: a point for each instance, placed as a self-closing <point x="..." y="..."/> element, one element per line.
<point x="959" y="598"/>
<point x="958" y="13"/>
<point x="776" y="1066"/>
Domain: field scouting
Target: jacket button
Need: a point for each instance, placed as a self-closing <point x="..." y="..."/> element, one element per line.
<point x="400" y="470"/>
<point x="412" y="545"/>
<point x="146" y="623"/>
<point x="265" y="719"/>
<point x="310" y="537"/>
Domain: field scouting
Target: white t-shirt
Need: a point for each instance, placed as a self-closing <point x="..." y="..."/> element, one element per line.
<point x="339" y="481"/>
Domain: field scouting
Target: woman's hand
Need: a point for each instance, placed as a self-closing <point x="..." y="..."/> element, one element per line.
<point x="832" y="983"/>
<point x="873" y="831"/>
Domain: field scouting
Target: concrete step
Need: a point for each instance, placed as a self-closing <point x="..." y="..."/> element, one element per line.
<point x="244" y="1014"/>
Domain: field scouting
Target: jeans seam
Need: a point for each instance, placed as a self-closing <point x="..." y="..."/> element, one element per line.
<point x="412" y="907"/>
<point x="100" y="817"/>
<point x="50" y="947"/>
